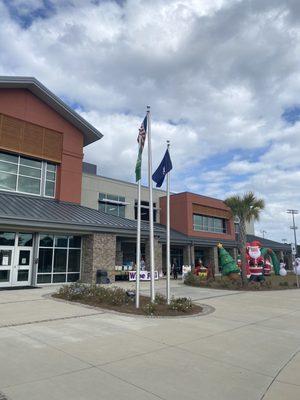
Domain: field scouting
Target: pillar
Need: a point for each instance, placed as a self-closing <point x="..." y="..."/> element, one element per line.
<point x="157" y="255"/>
<point x="119" y="253"/>
<point x="98" y="252"/>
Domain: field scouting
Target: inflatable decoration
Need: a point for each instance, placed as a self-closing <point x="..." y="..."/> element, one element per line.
<point x="229" y="267"/>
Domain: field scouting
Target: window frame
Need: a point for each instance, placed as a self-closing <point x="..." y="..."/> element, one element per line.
<point x="104" y="201"/>
<point x="42" y="178"/>
<point x="208" y="224"/>
<point x="53" y="248"/>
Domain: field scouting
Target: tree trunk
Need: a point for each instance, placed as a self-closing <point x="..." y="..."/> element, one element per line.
<point x="242" y="248"/>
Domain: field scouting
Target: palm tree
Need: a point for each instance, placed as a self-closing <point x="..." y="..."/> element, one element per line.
<point x="246" y="207"/>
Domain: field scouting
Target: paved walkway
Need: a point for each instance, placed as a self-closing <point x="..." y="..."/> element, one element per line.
<point x="247" y="349"/>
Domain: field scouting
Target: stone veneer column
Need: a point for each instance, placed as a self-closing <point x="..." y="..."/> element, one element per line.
<point x="187" y="255"/>
<point x="214" y="257"/>
<point x="157" y="255"/>
<point x="98" y="252"/>
<point x="119" y="253"/>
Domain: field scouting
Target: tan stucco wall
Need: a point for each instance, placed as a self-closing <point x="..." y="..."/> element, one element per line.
<point x="92" y="185"/>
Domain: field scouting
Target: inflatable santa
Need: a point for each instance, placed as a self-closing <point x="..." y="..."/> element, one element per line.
<point x="255" y="261"/>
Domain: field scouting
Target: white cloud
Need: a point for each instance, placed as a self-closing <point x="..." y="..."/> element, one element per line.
<point x="217" y="73"/>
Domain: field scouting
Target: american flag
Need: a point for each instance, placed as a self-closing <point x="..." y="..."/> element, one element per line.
<point x="142" y="134"/>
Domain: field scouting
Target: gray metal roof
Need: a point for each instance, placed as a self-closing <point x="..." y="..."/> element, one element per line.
<point x="269" y="243"/>
<point x="90" y="133"/>
<point x="39" y="212"/>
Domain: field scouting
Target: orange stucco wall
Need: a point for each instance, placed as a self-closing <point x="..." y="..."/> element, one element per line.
<point x="181" y="214"/>
<point x="22" y="104"/>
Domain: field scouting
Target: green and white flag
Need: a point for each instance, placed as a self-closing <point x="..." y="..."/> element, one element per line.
<point x="141" y="141"/>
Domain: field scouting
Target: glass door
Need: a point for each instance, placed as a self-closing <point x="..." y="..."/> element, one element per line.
<point x="23" y="267"/>
<point x="6" y="264"/>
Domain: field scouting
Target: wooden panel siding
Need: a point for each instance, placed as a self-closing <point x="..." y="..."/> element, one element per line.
<point x="211" y="212"/>
<point x="30" y="139"/>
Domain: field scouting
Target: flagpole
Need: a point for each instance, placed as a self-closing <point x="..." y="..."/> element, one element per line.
<point x="168" y="233"/>
<point x="151" y="228"/>
<point x="138" y="248"/>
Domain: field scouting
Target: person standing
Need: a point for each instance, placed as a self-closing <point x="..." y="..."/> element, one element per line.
<point x="175" y="269"/>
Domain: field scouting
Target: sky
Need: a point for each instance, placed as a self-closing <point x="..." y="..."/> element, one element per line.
<point x="222" y="78"/>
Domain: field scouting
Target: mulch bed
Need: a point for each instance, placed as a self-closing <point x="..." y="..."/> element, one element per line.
<point x="161" y="310"/>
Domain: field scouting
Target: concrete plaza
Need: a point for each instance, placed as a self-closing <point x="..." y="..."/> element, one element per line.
<point x="247" y="349"/>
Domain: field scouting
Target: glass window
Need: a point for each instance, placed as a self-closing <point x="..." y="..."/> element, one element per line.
<point x="102" y="196"/>
<point x="8" y="181"/>
<point x="46" y="240"/>
<point x="4" y="275"/>
<point x="59" y="278"/>
<point x="8" y="167"/>
<point x="24" y="257"/>
<point x="31" y="163"/>
<point x="75" y="241"/>
<point x="49" y="189"/>
<point x="23" y="275"/>
<point x="29" y="185"/>
<point x="24" y="175"/>
<point x="209" y="224"/>
<point x="122" y="211"/>
<point x="44" y="278"/>
<point x="111" y="204"/>
<point x="27" y="171"/>
<point x="9" y="158"/>
<point x="60" y="260"/>
<point x="25" y="239"/>
<point x="61" y="241"/>
<point x="5" y="258"/>
<point x="74" y="261"/>
<point x="50" y="176"/>
<point x="112" y="209"/>
<point x="45" y="260"/>
<point x="102" y="207"/>
<point x="72" y="277"/>
<point x="7" y="238"/>
<point x="51" y="167"/>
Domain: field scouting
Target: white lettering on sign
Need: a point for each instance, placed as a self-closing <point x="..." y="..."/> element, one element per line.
<point x="144" y="275"/>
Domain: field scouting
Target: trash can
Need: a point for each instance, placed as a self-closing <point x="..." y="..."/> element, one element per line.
<point x="102" y="276"/>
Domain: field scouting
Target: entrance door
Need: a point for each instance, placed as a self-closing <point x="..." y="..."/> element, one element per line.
<point x="22" y="267"/>
<point x="6" y="265"/>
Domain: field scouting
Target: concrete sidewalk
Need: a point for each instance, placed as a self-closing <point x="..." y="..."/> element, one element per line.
<point x="247" y="349"/>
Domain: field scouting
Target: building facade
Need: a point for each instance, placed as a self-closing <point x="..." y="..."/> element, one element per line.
<point x="60" y="221"/>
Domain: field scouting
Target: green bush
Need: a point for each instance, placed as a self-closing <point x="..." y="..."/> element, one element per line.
<point x="192" y="280"/>
<point x="182" y="304"/>
<point x="160" y="299"/>
<point x="95" y="293"/>
<point x="150" y="308"/>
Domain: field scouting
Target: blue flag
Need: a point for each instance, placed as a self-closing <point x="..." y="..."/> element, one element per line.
<point x="164" y="167"/>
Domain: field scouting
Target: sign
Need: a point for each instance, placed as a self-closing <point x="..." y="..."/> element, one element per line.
<point x="293" y="247"/>
<point x="144" y="275"/>
<point x="4" y="260"/>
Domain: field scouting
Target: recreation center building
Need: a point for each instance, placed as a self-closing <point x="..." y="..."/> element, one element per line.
<point x="60" y="221"/>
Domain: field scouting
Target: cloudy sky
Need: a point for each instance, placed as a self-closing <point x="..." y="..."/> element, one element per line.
<point x="222" y="78"/>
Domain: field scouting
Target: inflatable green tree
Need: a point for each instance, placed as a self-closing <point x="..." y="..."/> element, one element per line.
<point x="227" y="263"/>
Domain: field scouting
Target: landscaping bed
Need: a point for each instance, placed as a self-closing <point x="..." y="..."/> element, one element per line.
<point x="118" y="299"/>
<point x="273" y="282"/>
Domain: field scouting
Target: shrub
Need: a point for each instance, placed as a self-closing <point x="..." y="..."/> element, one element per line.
<point x="149" y="308"/>
<point x="160" y="299"/>
<point x="182" y="304"/>
<point x="99" y="294"/>
<point x="285" y="283"/>
<point x="192" y="280"/>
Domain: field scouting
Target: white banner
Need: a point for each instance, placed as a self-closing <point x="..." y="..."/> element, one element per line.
<point x="144" y="275"/>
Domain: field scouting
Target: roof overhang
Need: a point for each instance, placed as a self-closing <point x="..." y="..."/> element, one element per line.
<point x="90" y="133"/>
